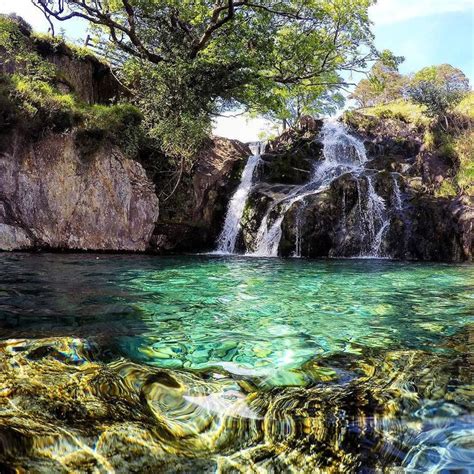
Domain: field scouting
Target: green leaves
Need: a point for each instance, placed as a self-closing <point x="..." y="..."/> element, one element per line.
<point x="186" y="61"/>
<point x="439" y="88"/>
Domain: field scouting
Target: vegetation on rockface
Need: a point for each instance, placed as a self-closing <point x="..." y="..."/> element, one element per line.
<point x="31" y="99"/>
<point x="436" y="101"/>
<point x="454" y="143"/>
<point x="185" y="61"/>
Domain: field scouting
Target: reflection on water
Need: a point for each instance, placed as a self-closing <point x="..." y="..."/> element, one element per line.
<point x="197" y="364"/>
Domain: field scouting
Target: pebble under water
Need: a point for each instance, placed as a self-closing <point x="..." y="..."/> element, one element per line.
<point x="229" y="364"/>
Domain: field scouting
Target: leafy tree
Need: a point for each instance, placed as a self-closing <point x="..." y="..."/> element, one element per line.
<point x="383" y="84"/>
<point x="439" y="88"/>
<point x="184" y="61"/>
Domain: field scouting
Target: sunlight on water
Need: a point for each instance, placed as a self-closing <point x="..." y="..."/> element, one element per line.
<point x="204" y="364"/>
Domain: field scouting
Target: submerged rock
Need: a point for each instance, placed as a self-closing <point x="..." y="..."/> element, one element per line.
<point x="63" y="409"/>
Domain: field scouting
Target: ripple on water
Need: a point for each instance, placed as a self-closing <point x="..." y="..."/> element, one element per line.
<point x="237" y="365"/>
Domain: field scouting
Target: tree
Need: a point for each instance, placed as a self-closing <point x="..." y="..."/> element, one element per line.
<point x="184" y="61"/>
<point x="439" y="88"/>
<point x="383" y="83"/>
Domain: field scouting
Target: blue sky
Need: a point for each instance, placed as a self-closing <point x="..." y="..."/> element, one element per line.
<point x="426" y="32"/>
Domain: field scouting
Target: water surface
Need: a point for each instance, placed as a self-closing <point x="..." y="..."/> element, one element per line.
<point x="229" y="364"/>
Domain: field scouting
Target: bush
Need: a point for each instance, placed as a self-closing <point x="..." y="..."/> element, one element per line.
<point x="466" y="106"/>
<point x="43" y="106"/>
<point x="438" y="88"/>
<point x="119" y="124"/>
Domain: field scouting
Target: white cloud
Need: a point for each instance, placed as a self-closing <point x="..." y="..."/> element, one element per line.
<point x="392" y="11"/>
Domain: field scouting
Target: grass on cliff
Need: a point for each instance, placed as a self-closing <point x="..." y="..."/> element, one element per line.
<point x="403" y="110"/>
<point x="455" y="143"/>
<point x="461" y="148"/>
<point x="30" y="97"/>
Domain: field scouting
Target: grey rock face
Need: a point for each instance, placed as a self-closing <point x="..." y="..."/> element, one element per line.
<point x="52" y="197"/>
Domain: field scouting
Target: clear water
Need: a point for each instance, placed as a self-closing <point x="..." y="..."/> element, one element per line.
<point x="228" y="364"/>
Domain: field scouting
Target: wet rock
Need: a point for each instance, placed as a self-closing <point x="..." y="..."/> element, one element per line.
<point x="192" y="218"/>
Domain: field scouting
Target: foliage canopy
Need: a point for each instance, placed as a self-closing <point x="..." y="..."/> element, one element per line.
<point x="439" y="88"/>
<point x="185" y="61"/>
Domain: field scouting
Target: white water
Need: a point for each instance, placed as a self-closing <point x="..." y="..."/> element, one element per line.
<point x="342" y="153"/>
<point x="397" y="195"/>
<point x="230" y="231"/>
<point x="374" y="220"/>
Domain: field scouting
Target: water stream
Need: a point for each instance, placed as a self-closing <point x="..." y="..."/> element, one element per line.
<point x="230" y="231"/>
<point x="342" y="153"/>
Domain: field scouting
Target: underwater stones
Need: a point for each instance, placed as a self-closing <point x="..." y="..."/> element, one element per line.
<point x="392" y="411"/>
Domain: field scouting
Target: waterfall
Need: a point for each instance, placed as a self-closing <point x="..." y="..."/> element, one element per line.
<point x="342" y="153"/>
<point x="397" y="195"/>
<point x="374" y="222"/>
<point x="228" y="236"/>
<point x="298" y="229"/>
<point x="365" y="223"/>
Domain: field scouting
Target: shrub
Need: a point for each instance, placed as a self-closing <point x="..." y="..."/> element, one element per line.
<point x="464" y="148"/>
<point x="438" y="88"/>
<point x="466" y="106"/>
<point x="44" y="106"/>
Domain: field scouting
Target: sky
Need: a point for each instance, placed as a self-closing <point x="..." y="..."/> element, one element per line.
<point x="426" y="32"/>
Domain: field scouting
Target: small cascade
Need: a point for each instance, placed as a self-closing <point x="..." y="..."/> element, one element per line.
<point x="374" y="222"/>
<point x="230" y="231"/>
<point x="298" y="230"/>
<point x="397" y="195"/>
<point x="342" y="153"/>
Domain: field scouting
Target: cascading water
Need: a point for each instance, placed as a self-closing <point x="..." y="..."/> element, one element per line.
<point x="397" y="195"/>
<point x="342" y="153"/>
<point x="230" y="231"/>
<point x="374" y="222"/>
<point x="363" y="226"/>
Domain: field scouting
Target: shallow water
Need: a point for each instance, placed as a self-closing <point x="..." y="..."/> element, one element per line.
<point x="207" y="363"/>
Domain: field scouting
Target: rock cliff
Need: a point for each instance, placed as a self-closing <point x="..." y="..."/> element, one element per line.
<point x="191" y="219"/>
<point x="53" y="197"/>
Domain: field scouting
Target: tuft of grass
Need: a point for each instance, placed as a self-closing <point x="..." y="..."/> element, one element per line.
<point x="466" y="106"/>
<point x="43" y="106"/>
<point x="403" y="110"/>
